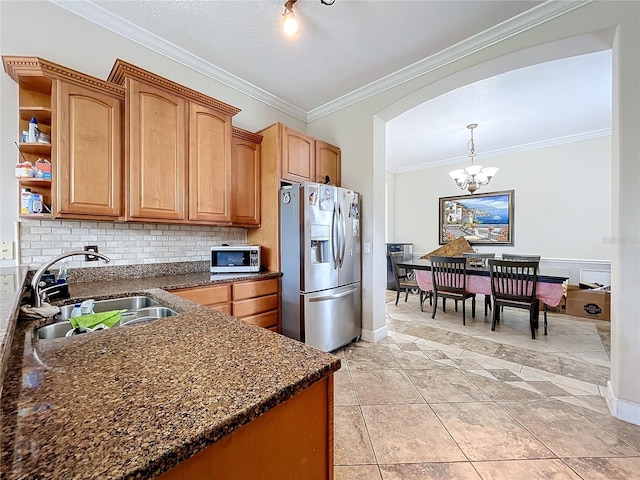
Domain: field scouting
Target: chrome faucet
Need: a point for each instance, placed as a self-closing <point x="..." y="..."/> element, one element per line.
<point x="35" y="281"/>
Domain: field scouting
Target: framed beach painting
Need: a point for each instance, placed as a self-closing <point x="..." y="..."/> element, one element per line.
<point x="482" y="218"/>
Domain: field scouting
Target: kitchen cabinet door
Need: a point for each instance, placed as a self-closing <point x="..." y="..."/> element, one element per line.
<point x="88" y="152"/>
<point x="245" y="182"/>
<point x="157" y="147"/>
<point x="209" y="165"/>
<point x="327" y="162"/>
<point x="298" y="156"/>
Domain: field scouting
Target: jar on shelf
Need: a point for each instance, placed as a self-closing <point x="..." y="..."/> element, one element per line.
<point x="25" y="200"/>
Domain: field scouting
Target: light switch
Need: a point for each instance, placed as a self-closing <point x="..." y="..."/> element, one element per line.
<point x="6" y="250"/>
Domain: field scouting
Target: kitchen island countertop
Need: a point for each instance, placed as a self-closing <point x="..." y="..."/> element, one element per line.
<point x="134" y="401"/>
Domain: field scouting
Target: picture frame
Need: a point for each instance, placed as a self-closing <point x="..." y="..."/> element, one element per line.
<point x="482" y="218"/>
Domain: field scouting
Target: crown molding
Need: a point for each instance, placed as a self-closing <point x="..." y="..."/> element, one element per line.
<point x="98" y="15"/>
<point x="505" y="151"/>
<point x="518" y="24"/>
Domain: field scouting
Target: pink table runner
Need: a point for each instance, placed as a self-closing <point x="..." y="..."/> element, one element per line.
<point x="549" y="293"/>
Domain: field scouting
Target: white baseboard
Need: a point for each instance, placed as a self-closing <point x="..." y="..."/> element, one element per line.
<point x="622" y="409"/>
<point x="373" y="336"/>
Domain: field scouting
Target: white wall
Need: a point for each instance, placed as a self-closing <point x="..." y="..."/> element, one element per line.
<point x="562" y="201"/>
<point x="389" y="208"/>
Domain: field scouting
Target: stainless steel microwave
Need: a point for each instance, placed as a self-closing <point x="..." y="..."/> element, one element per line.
<point x="235" y="258"/>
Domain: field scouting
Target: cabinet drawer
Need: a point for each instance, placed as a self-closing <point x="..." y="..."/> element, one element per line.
<point x="265" y="320"/>
<point x="205" y="295"/>
<point x="222" y="307"/>
<point x="259" y="288"/>
<point x="254" y="306"/>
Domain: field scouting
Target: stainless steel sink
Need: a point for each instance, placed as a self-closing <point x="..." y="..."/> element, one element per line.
<point x="126" y="303"/>
<point x="139" y="309"/>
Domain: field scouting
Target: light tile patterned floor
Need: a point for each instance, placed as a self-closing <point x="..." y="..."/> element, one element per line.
<point x="439" y="400"/>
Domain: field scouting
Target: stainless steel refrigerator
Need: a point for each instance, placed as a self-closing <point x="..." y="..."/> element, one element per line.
<point x="320" y="245"/>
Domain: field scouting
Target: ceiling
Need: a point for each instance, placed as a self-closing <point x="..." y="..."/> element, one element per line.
<point x="356" y="48"/>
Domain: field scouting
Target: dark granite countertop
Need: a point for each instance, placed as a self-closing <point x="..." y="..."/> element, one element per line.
<point x="133" y="401"/>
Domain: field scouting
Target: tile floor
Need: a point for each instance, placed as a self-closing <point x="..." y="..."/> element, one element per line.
<point x="439" y="400"/>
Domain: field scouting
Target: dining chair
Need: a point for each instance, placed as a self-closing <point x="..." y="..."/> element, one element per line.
<point x="481" y="258"/>
<point x="449" y="276"/>
<point x="513" y="284"/>
<point x="528" y="258"/>
<point x="403" y="282"/>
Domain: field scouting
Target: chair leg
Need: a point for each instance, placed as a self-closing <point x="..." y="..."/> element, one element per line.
<point x="456" y="305"/>
<point x="487" y="304"/>
<point x="444" y="304"/>
<point x="532" y="321"/>
<point x="496" y="312"/>
<point x="545" y="318"/>
<point x="435" y="304"/>
<point x="431" y="297"/>
<point x="464" y="313"/>
<point x="473" y="307"/>
<point x="406" y="296"/>
<point x="397" y="296"/>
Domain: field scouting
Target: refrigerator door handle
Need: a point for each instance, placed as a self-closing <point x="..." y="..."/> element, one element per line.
<point x="335" y="235"/>
<point x="344" y="236"/>
<point x="332" y="297"/>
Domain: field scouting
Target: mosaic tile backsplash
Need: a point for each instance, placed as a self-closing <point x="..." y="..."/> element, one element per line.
<point x="125" y="244"/>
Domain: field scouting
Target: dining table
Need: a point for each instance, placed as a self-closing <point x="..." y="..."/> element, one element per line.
<point x="549" y="288"/>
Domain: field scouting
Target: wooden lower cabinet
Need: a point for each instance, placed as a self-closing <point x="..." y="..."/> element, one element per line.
<point x="292" y="441"/>
<point x="217" y="297"/>
<point x="253" y="301"/>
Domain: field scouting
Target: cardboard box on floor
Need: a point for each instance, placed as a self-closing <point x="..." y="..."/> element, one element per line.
<point x="588" y="303"/>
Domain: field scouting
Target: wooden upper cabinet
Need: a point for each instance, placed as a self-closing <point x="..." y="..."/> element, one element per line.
<point x="298" y="156"/>
<point x="157" y="147"/>
<point x="179" y="144"/>
<point x="209" y="165"/>
<point x="88" y="151"/>
<point x="327" y="162"/>
<point x="245" y="178"/>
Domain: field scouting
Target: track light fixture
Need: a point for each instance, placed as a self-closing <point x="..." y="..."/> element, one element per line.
<point x="289" y="22"/>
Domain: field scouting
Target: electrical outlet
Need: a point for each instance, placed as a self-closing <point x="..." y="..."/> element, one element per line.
<point x="6" y="250"/>
<point x="91" y="258"/>
<point x="7" y="283"/>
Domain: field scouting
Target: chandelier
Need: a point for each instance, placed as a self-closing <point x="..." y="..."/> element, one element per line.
<point x="474" y="176"/>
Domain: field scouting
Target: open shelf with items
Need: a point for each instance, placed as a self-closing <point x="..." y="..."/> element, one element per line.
<point x="79" y="117"/>
<point x="34" y="101"/>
